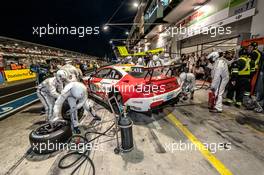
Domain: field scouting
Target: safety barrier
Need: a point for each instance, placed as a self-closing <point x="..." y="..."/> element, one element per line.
<point x="15" y="105"/>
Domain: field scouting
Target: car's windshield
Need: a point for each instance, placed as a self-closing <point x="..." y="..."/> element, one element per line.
<point x="141" y="72"/>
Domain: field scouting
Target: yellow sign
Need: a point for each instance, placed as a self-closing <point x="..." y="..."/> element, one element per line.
<point x="122" y="50"/>
<point x="124" y="53"/>
<point x="22" y="74"/>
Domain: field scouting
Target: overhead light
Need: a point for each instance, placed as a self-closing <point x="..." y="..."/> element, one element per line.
<point x="135" y="4"/>
<point x="106" y="28"/>
<point x="110" y="42"/>
<point x="196" y="7"/>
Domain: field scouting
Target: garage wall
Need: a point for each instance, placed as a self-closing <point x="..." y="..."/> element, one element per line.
<point x="241" y="28"/>
<point x="257" y="27"/>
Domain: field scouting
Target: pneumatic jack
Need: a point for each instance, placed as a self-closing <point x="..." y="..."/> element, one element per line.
<point x="124" y="124"/>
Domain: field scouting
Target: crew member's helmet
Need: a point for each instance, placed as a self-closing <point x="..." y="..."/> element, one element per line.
<point x="140" y="61"/>
<point x="213" y="56"/>
<point x="78" y="90"/>
<point x="155" y="57"/>
<point x="61" y="75"/>
<point x="254" y="44"/>
<point x="183" y="76"/>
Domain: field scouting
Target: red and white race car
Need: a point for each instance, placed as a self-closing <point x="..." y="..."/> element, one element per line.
<point x="139" y="88"/>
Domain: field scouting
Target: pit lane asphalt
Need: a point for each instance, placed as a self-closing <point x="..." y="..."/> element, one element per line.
<point x="152" y="135"/>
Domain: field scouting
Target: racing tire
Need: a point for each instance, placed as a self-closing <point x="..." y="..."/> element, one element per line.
<point x="45" y="140"/>
<point x="66" y="114"/>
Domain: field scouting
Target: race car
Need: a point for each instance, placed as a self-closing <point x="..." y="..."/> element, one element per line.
<point x="139" y="88"/>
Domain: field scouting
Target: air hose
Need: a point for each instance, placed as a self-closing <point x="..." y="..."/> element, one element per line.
<point x="85" y="154"/>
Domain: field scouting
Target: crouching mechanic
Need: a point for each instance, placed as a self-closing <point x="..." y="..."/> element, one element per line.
<point x="49" y="90"/>
<point x="76" y="95"/>
<point x="187" y="82"/>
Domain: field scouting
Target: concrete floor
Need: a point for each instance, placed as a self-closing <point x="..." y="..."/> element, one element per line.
<point x="157" y="141"/>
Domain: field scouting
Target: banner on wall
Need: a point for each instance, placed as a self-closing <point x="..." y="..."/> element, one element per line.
<point x="16" y="75"/>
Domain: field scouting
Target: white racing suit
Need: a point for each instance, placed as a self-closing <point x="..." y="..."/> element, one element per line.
<point x="75" y="103"/>
<point x="74" y="74"/>
<point x="220" y="76"/>
<point x="140" y="62"/>
<point x="187" y="82"/>
<point x="48" y="91"/>
<point x="155" y="62"/>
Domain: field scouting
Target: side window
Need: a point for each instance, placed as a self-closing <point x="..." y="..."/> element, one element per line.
<point x="114" y="75"/>
<point x="102" y="73"/>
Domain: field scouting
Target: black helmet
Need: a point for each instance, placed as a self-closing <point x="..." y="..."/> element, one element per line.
<point x="254" y="44"/>
<point x="242" y="51"/>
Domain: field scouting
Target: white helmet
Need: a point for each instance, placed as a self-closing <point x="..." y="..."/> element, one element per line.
<point x="78" y="90"/>
<point x="128" y="58"/>
<point x="166" y="55"/>
<point x="155" y="57"/>
<point x="61" y="75"/>
<point x="140" y="60"/>
<point x="213" y="56"/>
<point x="183" y="76"/>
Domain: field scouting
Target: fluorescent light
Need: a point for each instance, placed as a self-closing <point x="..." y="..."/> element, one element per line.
<point x="135" y="4"/>
<point x="106" y="27"/>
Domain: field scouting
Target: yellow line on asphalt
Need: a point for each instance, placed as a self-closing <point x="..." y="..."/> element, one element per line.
<point x="217" y="164"/>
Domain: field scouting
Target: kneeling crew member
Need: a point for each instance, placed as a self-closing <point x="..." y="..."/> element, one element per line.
<point x="76" y="95"/>
<point x="187" y="82"/>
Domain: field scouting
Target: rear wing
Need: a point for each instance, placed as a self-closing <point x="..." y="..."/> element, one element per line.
<point x="162" y="69"/>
